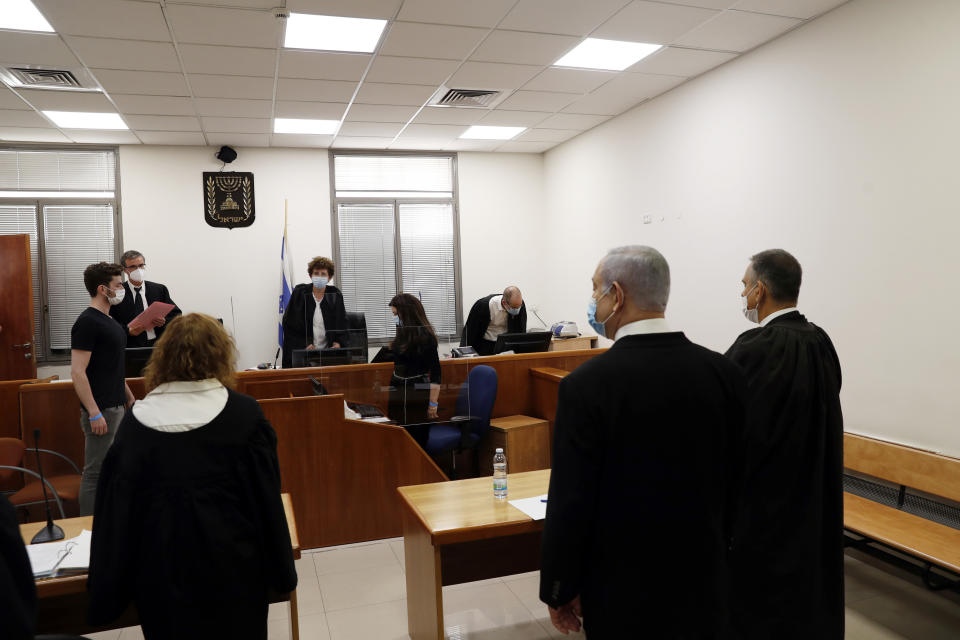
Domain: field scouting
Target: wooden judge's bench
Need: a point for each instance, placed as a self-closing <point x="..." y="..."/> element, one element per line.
<point x="342" y="474"/>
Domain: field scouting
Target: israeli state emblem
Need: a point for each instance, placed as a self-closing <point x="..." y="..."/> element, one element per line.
<point x="228" y="199"/>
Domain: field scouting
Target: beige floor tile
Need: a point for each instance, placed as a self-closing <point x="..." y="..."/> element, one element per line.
<point x="397" y="547"/>
<point x="113" y="634"/>
<point x="527" y="589"/>
<point x="521" y="576"/>
<point x="310" y="601"/>
<point x="384" y="621"/>
<point x="913" y="614"/>
<point x="363" y="587"/>
<point x="467" y="585"/>
<point x="340" y="560"/>
<point x="481" y="607"/>
<point x="131" y="633"/>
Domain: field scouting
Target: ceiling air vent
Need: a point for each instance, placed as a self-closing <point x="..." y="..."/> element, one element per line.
<point x="471" y="98"/>
<point x="31" y="77"/>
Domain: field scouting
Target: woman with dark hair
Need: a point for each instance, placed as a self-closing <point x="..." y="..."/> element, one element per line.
<point x="315" y="317"/>
<point x="189" y="522"/>
<point x="415" y="384"/>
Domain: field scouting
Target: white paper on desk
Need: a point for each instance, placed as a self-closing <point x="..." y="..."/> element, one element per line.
<point x="376" y="419"/>
<point x="72" y="554"/>
<point x="535" y="507"/>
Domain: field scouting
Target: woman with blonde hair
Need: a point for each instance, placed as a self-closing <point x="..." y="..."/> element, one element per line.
<point x="188" y="522"/>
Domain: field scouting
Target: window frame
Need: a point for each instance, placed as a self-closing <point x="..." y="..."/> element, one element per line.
<point x="453" y="200"/>
<point x="41" y="343"/>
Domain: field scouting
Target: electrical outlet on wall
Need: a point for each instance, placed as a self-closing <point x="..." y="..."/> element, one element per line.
<point x="647" y="219"/>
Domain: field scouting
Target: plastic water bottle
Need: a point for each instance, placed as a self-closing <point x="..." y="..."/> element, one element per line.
<point x="499" y="475"/>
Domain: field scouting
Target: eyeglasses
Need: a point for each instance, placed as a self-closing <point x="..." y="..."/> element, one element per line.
<point x="135" y="266"/>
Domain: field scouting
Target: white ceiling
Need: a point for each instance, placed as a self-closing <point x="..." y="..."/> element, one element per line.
<point x="212" y="72"/>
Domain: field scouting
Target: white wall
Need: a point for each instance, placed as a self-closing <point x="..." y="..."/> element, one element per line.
<point x="162" y="213"/>
<point x="837" y="142"/>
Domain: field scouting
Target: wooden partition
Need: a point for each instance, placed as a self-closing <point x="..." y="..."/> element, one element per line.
<point x="545" y="388"/>
<point x="343" y="474"/>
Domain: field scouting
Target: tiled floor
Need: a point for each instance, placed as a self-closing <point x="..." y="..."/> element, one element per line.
<point x="357" y="592"/>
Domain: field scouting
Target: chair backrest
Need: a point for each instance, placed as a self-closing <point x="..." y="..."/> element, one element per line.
<point x="477" y="397"/>
<point x="11" y="455"/>
<point x="357" y="326"/>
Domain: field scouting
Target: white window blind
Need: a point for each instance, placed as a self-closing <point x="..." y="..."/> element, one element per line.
<point x="74" y="236"/>
<point x="23" y="219"/>
<point x="366" y="271"/>
<point x="427" y="255"/>
<point x="53" y="170"/>
<point x="362" y="175"/>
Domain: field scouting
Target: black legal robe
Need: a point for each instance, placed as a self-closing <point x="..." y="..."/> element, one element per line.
<point x="644" y="463"/>
<point x="190" y="527"/>
<point x="126" y="311"/>
<point x="297" y="322"/>
<point x="788" y="539"/>
<point x="478" y="320"/>
<point x="18" y="591"/>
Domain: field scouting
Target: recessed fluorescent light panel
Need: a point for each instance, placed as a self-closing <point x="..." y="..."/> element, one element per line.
<point x="84" y="120"/>
<point x="476" y="132"/>
<point x="302" y="125"/>
<point x="21" y="15"/>
<point x="332" y="33"/>
<point x="607" y="55"/>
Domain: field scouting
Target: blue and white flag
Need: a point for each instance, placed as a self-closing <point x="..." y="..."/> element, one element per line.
<point x="286" y="274"/>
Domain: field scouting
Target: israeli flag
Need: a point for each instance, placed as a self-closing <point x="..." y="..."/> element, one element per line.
<point x="286" y="284"/>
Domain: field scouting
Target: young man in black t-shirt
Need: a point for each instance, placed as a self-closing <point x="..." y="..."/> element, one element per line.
<point x="96" y="366"/>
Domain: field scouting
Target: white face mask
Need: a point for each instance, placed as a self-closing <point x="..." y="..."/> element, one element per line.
<point x="117" y="296"/>
<point x="319" y="282"/>
<point x="137" y="275"/>
<point x="753" y="315"/>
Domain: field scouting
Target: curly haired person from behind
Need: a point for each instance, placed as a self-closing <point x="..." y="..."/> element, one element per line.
<point x="189" y="522"/>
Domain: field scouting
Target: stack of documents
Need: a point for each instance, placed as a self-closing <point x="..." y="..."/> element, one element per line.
<point x="64" y="557"/>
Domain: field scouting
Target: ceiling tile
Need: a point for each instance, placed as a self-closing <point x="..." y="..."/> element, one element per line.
<point x="571" y="17"/>
<point x="217" y="25"/>
<point x="623" y="92"/>
<point x="449" y="115"/>
<point x="379" y="113"/>
<point x="371" y="129"/>
<point x="89" y="136"/>
<point x="238" y="139"/>
<point x="29" y="134"/>
<point x="234" y="108"/>
<point x="737" y="31"/>
<point x="652" y="22"/>
<point x="159" y="105"/>
<point x="395" y="94"/>
<point x="162" y="123"/>
<point x="45" y="100"/>
<point x="207" y="86"/>
<point x="538" y="101"/>
<point x="320" y="65"/>
<point x="411" y="144"/>
<point x="507" y="118"/>
<point x="35" y="48"/>
<point x="682" y="62"/>
<point x="193" y="138"/>
<point x="433" y="131"/>
<point x="252" y="4"/>
<point x="526" y="147"/>
<point x="10" y="100"/>
<point x="546" y="135"/>
<point x="106" y="19"/>
<point x="410" y="70"/>
<point x="228" y="61"/>
<point x="469" y="13"/>
<point x="299" y="140"/>
<point x="312" y="110"/>
<point x="521" y="47"/>
<point x="157" y="83"/>
<point x="348" y="142"/>
<point x="569" y="80"/>
<point x="704" y="4"/>
<point x="792" y="8"/>
<point x="125" y="54"/>
<point x="492" y="75"/>
<point x="577" y="121"/>
<point x="236" y="125"/>
<point x="383" y="9"/>
<point x="430" y="40"/>
<point x="315" y="90"/>
<point x="473" y="145"/>
<point x="22" y="118"/>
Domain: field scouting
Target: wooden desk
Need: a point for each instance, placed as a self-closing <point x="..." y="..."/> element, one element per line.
<point x="573" y="344"/>
<point x="62" y="602"/>
<point x="525" y="440"/>
<point x="456" y="532"/>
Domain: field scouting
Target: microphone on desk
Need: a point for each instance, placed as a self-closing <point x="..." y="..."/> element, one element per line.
<point x="50" y="532"/>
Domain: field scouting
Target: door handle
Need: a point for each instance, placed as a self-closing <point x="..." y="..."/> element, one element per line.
<point x="20" y="346"/>
<point x="27" y="356"/>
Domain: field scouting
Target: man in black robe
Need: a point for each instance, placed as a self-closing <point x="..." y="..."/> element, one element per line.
<point x="644" y="459"/>
<point x="492" y="316"/>
<point x="788" y="539"/>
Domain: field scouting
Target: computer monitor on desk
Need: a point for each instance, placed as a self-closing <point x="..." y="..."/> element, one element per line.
<point x="328" y="357"/>
<point x="134" y="360"/>
<point x="523" y="342"/>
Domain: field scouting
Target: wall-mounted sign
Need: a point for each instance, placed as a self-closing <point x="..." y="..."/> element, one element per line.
<point x="228" y="199"/>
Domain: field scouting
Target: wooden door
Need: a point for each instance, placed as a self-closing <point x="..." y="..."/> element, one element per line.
<point x="17" y="355"/>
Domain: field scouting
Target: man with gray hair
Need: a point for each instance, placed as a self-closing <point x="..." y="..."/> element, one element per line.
<point x="140" y="293"/>
<point x="644" y="465"/>
<point x="492" y="316"/>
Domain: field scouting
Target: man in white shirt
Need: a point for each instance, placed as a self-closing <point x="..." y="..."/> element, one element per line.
<point x="140" y="293"/>
<point x="492" y="316"/>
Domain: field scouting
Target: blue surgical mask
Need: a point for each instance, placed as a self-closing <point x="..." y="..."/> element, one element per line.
<point x="512" y="311"/>
<point x="319" y="282"/>
<point x="597" y="325"/>
<point x="396" y="321"/>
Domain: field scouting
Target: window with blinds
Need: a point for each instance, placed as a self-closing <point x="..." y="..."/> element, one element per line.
<point x="395" y="231"/>
<point x="65" y="201"/>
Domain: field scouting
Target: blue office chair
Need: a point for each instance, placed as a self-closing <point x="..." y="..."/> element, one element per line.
<point x="471" y="420"/>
